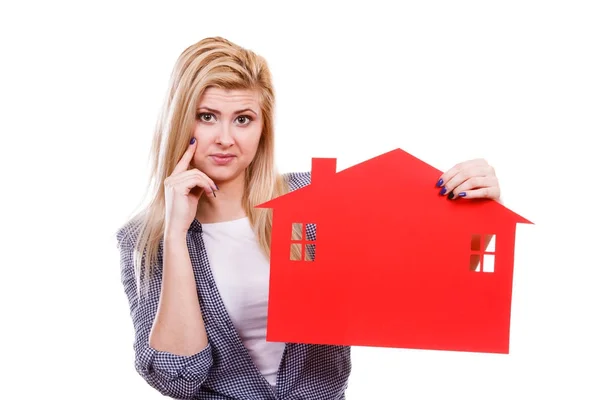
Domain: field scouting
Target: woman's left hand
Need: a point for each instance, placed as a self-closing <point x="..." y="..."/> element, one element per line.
<point x="470" y="179"/>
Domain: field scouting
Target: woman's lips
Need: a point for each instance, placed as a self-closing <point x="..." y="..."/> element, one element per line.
<point x="222" y="159"/>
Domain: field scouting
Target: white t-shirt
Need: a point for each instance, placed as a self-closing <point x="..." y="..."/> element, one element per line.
<point x="241" y="273"/>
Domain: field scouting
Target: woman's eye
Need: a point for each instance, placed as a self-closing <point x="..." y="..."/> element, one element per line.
<point x="206" y="117"/>
<point x="244" y="120"/>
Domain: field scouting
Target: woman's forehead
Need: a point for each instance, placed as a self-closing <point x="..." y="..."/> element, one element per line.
<point x="228" y="97"/>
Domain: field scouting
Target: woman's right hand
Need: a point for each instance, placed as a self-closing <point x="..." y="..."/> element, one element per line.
<point x="181" y="202"/>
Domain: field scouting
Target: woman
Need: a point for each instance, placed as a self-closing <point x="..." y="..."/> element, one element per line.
<point x="198" y="294"/>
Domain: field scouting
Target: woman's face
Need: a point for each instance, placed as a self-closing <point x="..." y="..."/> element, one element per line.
<point x="228" y="129"/>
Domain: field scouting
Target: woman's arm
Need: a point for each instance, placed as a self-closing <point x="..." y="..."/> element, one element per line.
<point x="177" y="360"/>
<point x="178" y="327"/>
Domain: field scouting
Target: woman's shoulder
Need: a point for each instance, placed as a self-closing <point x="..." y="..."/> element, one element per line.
<point x="127" y="233"/>
<point x="297" y="180"/>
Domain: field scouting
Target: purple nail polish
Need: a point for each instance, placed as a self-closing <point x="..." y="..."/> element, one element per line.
<point x="439" y="183"/>
<point x="462" y="194"/>
<point x="193" y="140"/>
<point x="443" y="191"/>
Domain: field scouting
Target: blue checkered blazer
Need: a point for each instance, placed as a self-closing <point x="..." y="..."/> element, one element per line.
<point x="224" y="369"/>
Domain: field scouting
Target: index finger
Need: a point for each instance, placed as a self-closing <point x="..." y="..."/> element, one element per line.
<point x="446" y="176"/>
<point x="184" y="163"/>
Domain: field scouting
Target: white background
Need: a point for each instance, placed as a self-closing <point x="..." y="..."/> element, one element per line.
<point x="514" y="82"/>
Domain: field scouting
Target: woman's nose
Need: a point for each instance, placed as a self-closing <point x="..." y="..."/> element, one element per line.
<point x="224" y="136"/>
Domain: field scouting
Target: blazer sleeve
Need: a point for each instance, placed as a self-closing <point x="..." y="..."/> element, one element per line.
<point x="176" y="376"/>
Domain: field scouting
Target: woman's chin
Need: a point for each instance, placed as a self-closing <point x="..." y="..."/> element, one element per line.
<point x="223" y="174"/>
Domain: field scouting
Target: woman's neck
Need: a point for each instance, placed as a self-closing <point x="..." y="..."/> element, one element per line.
<point x="225" y="205"/>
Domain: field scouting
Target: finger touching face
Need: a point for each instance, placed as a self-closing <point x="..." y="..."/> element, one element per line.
<point x="228" y="129"/>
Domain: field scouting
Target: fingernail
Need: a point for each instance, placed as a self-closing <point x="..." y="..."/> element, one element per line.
<point x="462" y="194"/>
<point x="193" y="140"/>
<point x="443" y="191"/>
<point x="439" y="183"/>
<point x="450" y="196"/>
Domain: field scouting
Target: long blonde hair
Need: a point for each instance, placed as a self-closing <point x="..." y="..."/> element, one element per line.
<point x="211" y="62"/>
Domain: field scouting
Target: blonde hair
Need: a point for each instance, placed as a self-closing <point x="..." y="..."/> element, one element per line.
<point x="211" y="62"/>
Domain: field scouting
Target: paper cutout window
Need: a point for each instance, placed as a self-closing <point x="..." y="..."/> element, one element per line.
<point x="301" y="248"/>
<point x="482" y="255"/>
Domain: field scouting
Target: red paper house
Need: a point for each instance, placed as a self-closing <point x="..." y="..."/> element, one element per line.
<point x="392" y="261"/>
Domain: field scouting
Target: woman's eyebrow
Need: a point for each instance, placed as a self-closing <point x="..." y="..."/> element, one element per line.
<point x="219" y="113"/>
